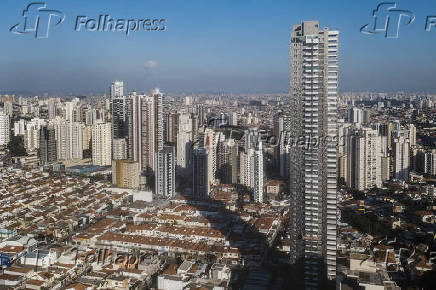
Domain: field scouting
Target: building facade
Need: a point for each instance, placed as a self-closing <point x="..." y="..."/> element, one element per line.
<point x="165" y="183"/>
<point x="102" y="144"/>
<point x="314" y="93"/>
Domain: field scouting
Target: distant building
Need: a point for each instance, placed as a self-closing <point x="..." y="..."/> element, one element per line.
<point x="210" y="143"/>
<point x="165" y="182"/>
<point x="401" y="147"/>
<point x="412" y="135"/>
<point x="119" y="126"/>
<point x="258" y="174"/>
<point x="363" y="159"/>
<point x="251" y="171"/>
<point x="4" y="129"/>
<point x="227" y="161"/>
<point x="184" y="142"/>
<point x="358" y="116"/>
<point x="102" y="144"/>
<point x="117" y="89"/>
<point x="125" y="174"/>
<point x="87" y="135"/>
<point x="69" y="139"/>
<point x="200" y="181"/>
<point x="47" y="145"/>
<point x="171" y="127"/>
<point x="139" y="120"/>
<point x="119" y="149"/>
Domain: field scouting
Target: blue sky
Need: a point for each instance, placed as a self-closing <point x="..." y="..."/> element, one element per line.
<point x="211" y="46"/>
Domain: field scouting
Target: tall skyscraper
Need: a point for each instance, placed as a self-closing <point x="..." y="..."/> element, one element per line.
<point x="148" y="135"/>
<point x="47" y="145"/>
<point x="171" y="124"/>
<point x="158" y="119"/>
<point x="210" y="143"/>
<point x="165" y="172"/>
<point x="401" y="148"/>
<point x="69" y="140"/>
<point x="87" y="136"/>
<point x="31" y="135"/>
<point x="355" y="116"/>
<point x="102" y="144"/>
<point x="412" y="135"/>
<point x="184" y="143"/>
<point x="314" y="93"/>
<point x="200" y="181"/>
<point x="119" y="149"/>
<point x="246" y="168"/>
<point x="4" y="129"/>
<point x="51" y="108"/>
<point x="227" y="161"/>
<point x="139" y="120"/>
<point x="429" y="162"/>
<point x="251" y="165"/>
<point x="258" y="173"/>
<point x="119" y="128"/>
<point x="117" y="89"/>
<point x="386" y="130"/>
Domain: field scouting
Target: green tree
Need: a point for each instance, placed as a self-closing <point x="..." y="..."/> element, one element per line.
<point x="16" y="146"/>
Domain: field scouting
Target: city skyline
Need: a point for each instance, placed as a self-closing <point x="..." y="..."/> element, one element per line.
<point x="247" y="53"/>
<point x="195" y="167"/>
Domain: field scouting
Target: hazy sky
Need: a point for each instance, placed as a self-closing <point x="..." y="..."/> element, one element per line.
<point x="214" y="45"/>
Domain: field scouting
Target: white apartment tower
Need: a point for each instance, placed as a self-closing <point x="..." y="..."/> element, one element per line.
<point x="184" y="142"/>
<point x="246" y="168"/>
<point x="412" y="135"/>
<point x="4" y="129"/>
<point x="119" y="149"/>
<point x="69" y="139"/>
<point x="401" y="157"/>
<point x="102" y="144"/>
<point x="364" y="159"/>
<point x="313" y="113"/>
<point x="251" y="166"/>
<point x="147" y="150"/>
<point x="117" y="89"/>
<point x="210" y="143"/>
<point x="258" y="174"/>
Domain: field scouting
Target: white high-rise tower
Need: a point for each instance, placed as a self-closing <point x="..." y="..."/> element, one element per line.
<point x="102" y="144"/>
<point x="4" y="129"/>
<point x="314" y="93"/>
<point x="117" y="89"/>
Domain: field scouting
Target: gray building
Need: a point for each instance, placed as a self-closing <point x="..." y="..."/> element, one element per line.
<point x="165" y="183"/>
<point x="200" y="180"/>
<point x="47" y="145"/>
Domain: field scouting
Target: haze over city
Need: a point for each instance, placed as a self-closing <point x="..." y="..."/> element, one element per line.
<point x="210" y="46"/>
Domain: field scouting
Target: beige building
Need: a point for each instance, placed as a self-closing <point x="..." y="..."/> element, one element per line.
<point x="125" y="173"/>
<point x="87" y="134"/>
<point x="102" y="144"/>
